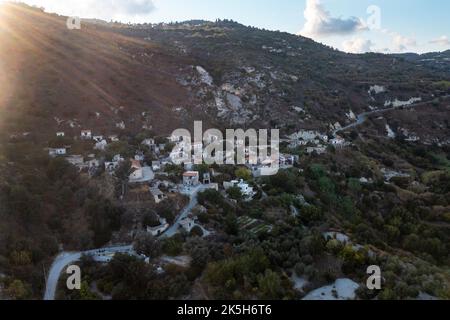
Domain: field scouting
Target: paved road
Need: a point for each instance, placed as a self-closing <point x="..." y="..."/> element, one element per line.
<point x="66" y="258"/>
<point x="104" y="254"/>
<point x="193" y="195"/>
<point x="365" y="115"/>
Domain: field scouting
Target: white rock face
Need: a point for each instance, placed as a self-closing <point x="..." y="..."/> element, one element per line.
<point x="298" y="109"/>
<point x="351" y="115"/>
<point x="376" y="89"/>
<point x="398" y="103"/>
<point x="234" y="101"/>
<point x="204" y="76"/>
<point x="121" y="125"/>
<point x="342" y="289"/>
<point x="390" y="132"/>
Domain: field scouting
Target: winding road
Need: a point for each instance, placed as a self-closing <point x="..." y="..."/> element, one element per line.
<point x="66" y="258"/>
<point x="193" y="196"/>
<point x="361" y="118"/>
<point x="105" y="254"/>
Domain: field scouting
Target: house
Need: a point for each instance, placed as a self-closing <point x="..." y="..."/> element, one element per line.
<point x="101" y="145"/>
<point x="246" y="190"/>
<point x="60" y="134"/>
<point x="118" y="158"/>
<point x="97" y="138"/>
<point x="213" y="186"/>
<point x="149" y="143"/>
<point x="187" y="224"/>
<point x="53" y="152"/>
<point x="158" y="230"/>
<point x="86" y="134"/>
<point x="156" y="165"/>
<point x="338" y="142"/>
<point x="158" y="195"/>
<point x="206" y="178"/>
<point x="139" y="156"/>
<point x="179" y="156"/>
<point x="318" y="150"/>
<point x="140" y="174"/>
<point x="175" y="139"/>
<point x="136" y="164"/>
<point x="93" y="163"/>
<point x="137" y="173"/>
<point x="111" y="166"/>
<point x="114" y="138"/>
<point x="191" y="178"/>
<point x="287" y="160"/>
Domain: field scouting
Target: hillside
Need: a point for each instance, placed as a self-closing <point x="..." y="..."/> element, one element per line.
<point x="146" y="76"/>
<point x="56" y="79"/>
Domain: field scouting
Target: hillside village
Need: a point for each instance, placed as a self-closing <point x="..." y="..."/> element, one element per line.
<point x="146" y="175"/>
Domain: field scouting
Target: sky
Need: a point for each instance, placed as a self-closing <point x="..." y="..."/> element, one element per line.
<point x="355" y="26"/>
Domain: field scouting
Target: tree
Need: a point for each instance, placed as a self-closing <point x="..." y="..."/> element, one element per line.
<point x="243" y="173"/>
<point x="311" y="214"/>
<point x="270" y="287"/>
<point x="166" y="210"/>
<point x="235" y="193"/>
<point x="354" y="185"/>
<point x="148" y="245"/>
<point x="197" y="231"/>
<point x="124" y="170"/>
<point x="231" y="224"/>
<point x="18" y="290"/>
<point x="150" y="219"/>
<point x="202" y="169"/>
<point x="86" y="293"/>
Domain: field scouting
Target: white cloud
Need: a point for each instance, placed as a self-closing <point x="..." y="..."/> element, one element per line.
<point x="402" y="43"/>
<point x="319" y="22"/>
<point x="442" y="41"/>
<point x="358" y="45"/>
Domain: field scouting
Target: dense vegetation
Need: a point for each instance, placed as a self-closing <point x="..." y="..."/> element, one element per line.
<point x="45" y="203"/>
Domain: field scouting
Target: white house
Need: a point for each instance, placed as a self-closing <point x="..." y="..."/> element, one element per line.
<point x="60" y="134"/>
<point x="118" y="158"/>
<point x="110" y="167"/>
<point x="187" y="224"/>
<point x="97" y="138"/>
<point x="101" y="145"/>
<point x="148" y="142"/>
<point x="156" y="165"/>
<point x="246" y="190"/>
<point x="139" y="156"/>
<point x="86" y="134"/>
<point x="114" y="138"/>
<point x="158" y="230"/>
<point x="53" y="152"/>
<point x="318" y="149"/>
<point x="338" y="142"/>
